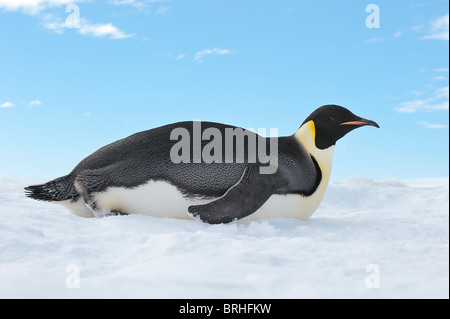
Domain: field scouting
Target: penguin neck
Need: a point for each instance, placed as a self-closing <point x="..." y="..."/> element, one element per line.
<point x="305" y="135"/>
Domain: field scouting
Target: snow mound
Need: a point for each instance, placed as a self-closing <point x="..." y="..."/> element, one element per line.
<point x="369" y="239"/>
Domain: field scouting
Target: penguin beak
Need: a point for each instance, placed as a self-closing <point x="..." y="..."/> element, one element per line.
<point x="361" y="122"/>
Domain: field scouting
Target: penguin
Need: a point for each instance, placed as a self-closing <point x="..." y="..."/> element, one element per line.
<point x="138" y="174"/>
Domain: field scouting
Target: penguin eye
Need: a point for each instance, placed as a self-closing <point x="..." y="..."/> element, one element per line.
<point x="331" y="118"/>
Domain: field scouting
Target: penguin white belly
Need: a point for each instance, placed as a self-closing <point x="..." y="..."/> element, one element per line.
<point x="77" y="207"/>
<point x="155" y="198"/>
<point x="161" y="199"/>
<point x="290" y="206"/>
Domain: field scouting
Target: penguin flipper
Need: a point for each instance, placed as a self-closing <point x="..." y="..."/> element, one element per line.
<point x="241" y="200"/>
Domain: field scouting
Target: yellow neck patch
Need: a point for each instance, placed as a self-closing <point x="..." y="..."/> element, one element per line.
<point x="306" y="135"/>
<point x="312" y="128"/>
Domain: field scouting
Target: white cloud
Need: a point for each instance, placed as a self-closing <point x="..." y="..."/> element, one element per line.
<point x="49" y="22"/>
<point x="34" y="103"/>
<point x="122" y="2"/>
<point x="442" y="93"/>
<point x="138" y="4"/>
<point x="133" y="3"/>
<point x="58" y="26"/>
<point x="432" y="126"/>
<point x="439" y="78"/>
<point x="180" y="56"/>
<point x="102" y="30"/>
<point x="32" y="6"/>
<point x="200" y="54"/>
<point x="439" y="29"/>
<point x="417" y="28"/>
<point x="439" y="101"/>
<point x="417" y="93"/>
<point x="373" y="40"/>
<point x="422" y="105"/>
<point x="7" y="104"/>
<point x="398" y="34"/>
<point x="445" y="70"/>
<point x="86" y="28"/>
<point x="162" y="10"/>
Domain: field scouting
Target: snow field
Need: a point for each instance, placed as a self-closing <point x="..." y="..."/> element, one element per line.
<point x="391" y="234"/>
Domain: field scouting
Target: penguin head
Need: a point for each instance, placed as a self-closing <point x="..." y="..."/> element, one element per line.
<point x="332" y="122"/>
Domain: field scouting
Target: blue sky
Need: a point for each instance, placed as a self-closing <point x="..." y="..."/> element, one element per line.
<point x="133" y="65"/>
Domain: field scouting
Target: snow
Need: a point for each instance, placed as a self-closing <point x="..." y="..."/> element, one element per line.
<point x="368" y="239"/>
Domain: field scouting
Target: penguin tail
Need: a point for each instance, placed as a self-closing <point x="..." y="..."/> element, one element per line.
<point x="59" y="189"/>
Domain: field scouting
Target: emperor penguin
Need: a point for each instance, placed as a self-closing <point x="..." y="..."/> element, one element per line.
<point x="145" y="173"/>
